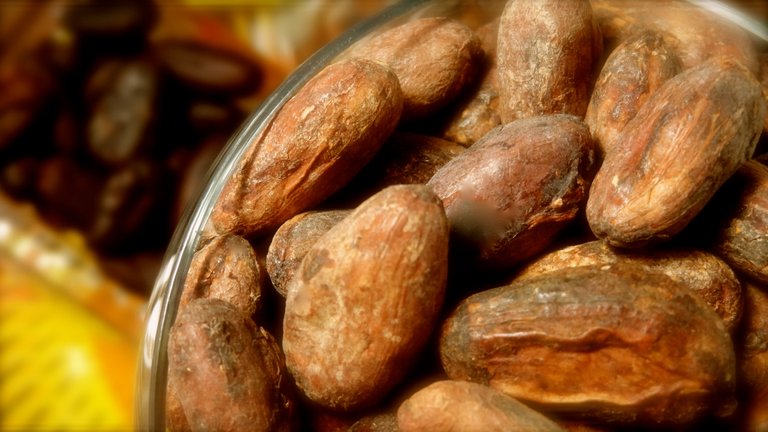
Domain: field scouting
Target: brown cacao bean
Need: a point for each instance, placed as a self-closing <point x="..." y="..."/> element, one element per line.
<point x="293" y="240"/>
<point x="477" y="112"/>
<point x="689" y="137"/>
<point x="207" y="69"/>
<point x="464" y="406"/>
<point x="511" y="192"/>
<point x="442" y="49"/>
<point x="610" y="343"/>
<point x="545" y="54"/>
<point x="365" y="298"/>
<point x="633" y="71"/>
<point x="317" y="142"/>
<point x="708" y="276"/>
<point x="696" y="34"/>
<point x="226" y="269"/>
<point x="227" y="373"/>
<point x="742" y="234"/>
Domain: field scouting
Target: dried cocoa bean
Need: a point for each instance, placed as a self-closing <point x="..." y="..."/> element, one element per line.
<point x="114" y="26"/>
<point x="129" y="205"/>
<point x="753" y="362"/>
<point x="386" y="422"/>
<point x="226" y="269"/>
<point x="366" y="297"/>
<point x="207" y="69"/>
<point x="689" y="137"/>
<point x="317" y="142"/>
<point x="465" y="406"/>
<point x="434" y="58"/>
<point x="121" y="119"/>
<point x="510" y="193"/>
<point x="477" y="112"/>
<point x="708" y="276"/>
<point x="634" y="70"/>
<point x="696" y="34"/>
<point x="741" y="236"/>
<point x="227" y="373"/>
<point x="67" y="191"/>
<point x="608" y="343"/>
<point x="293" y="240"/>
<point x="545" y="54"/>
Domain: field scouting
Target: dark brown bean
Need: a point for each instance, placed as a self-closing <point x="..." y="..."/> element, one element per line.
<point x="207" y="69"/>
<point x="123" y="112"/>
<point x="509" y="194"/>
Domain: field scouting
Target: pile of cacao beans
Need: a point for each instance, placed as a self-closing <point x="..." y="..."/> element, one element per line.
<point x="528" y="215"/>
<point x="110" y="130"/>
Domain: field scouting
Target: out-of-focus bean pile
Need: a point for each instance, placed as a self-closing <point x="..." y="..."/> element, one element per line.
<point x="111" y="112"/>
<point x="110" y="131"/>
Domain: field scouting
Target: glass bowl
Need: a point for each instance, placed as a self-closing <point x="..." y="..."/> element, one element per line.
<point x="163" y="303"/>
